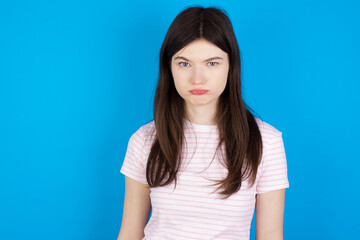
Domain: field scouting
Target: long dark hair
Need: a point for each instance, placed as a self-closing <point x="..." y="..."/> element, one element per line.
<point x="237" y="126"/>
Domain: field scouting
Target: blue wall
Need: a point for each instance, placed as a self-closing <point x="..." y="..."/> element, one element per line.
<point x="77" y="78"/>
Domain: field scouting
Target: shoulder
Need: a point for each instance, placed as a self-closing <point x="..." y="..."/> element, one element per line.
<point x="272" y="171"/>
<point x="268" y="132"/>
<point x="145" y="133"/>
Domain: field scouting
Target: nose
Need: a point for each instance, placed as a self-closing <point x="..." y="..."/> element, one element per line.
<point x="198" y="76"/>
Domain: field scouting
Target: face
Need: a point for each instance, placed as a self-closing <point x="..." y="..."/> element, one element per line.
<point x="200" y="72"/>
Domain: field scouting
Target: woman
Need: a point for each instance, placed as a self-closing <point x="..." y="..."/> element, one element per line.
<point x="205" y="161"/>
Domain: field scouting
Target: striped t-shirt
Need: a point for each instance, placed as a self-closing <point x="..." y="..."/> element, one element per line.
<point x="194" y="210"/>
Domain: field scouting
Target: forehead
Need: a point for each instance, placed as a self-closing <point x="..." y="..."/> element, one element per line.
<point x="200" y="49"/>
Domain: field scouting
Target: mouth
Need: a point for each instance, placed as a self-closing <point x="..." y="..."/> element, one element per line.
<point x="198" y="91"/>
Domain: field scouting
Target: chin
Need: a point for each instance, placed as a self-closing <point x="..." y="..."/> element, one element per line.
<point x="199" y="103"/>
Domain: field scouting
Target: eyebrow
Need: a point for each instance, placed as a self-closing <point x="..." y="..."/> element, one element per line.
<point x="209" y="59"/>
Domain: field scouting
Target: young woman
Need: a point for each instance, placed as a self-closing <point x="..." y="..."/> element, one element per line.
<point x="205" y="162"/>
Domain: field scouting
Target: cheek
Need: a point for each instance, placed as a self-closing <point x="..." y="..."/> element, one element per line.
<point x="179" y="86"/>
<point x="221" y="78"/>
<point x="179" y="80"/>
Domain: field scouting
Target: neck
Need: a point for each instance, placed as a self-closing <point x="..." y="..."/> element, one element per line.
<point x="201" y="115"/>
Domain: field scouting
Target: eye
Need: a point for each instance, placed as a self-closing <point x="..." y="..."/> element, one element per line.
<point x="213" y="64"/>
<point x="184" y="64"/>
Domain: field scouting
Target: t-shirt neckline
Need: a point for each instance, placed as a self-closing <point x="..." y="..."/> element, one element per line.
<point x="200" y="126"/>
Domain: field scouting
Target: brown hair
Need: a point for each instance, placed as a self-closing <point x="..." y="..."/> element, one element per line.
<point x="237" y="126"/>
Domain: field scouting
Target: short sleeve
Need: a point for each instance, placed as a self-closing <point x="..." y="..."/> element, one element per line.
<point x="273" y="170"/>
<point x="134" y="165"/>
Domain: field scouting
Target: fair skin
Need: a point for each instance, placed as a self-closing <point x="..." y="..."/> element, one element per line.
<point x="270" y="215"/>
<point x="136" y="210"/>
<point x="199" y="65"/>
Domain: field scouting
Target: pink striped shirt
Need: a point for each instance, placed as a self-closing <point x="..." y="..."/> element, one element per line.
<point x="194" y="210"/>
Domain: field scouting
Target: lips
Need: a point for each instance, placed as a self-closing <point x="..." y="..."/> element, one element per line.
<point x="198" y="91"/>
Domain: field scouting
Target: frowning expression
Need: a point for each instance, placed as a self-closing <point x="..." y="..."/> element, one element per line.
<point x="200" y="73"/>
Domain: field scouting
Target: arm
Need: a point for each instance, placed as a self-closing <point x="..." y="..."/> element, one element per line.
<point x="270" y="215"/>
<point x="136" y="211"/>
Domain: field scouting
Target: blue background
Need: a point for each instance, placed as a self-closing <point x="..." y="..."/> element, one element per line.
<point x="77" y="78"/>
